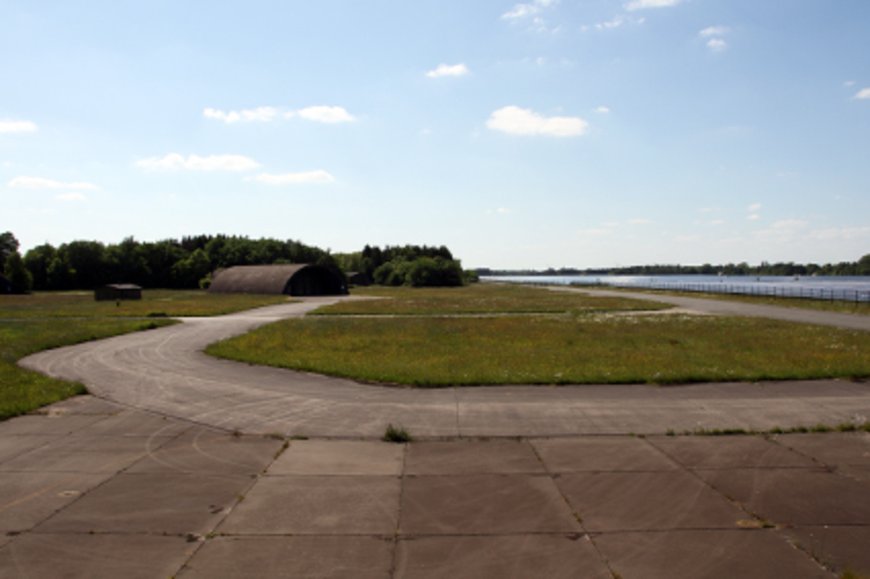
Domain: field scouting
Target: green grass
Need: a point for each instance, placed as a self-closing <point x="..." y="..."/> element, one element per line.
<point x="860" y="308"/>
<point x="576" y="349"/>
<point x="22" y="390"/>
<point x="154" y="303"/>
<point x="35" y="322"/>
<point x="480" y="299"/>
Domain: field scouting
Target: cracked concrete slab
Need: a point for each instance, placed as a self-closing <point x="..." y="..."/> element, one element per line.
<point x="28" y="498"/>
<point x="206" y="451"/>
<point x="94" y="556"/>
<point x="495" y="557"/>
<point x="729" y="452"/>
<point x="324" y="557"/>
<point x="605" y="453"/>
<point x="841" y="548"/>
<point x="484" y="504"/>
<point x="847" y="448"/>
<point x="795" y="496"/>
<point x="472" y="457"/>
<point x="153" y="503"/>
<point x="632" y="501"/>
<point x="756" y="554"/>
<point x="319" y="457"/>
<point x="323" y="505"/>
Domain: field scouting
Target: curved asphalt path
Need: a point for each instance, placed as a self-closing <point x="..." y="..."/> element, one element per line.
<point x="165" y="371"/>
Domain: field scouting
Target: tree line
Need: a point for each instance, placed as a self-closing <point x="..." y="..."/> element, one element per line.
<point x="843" y="268"/>
<point x="188" y="262"/>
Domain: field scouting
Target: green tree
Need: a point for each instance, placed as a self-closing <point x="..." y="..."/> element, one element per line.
<point x="37" y="261"/>
<point x="8" y="246"/>
<point x="18" y="276"/>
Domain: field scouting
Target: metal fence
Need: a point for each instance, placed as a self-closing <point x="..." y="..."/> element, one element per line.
<point x="756" y="289"/>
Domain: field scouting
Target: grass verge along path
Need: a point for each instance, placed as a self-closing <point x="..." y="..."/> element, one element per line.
<point x="554" y="350"/>
<point x="481" y="299"/>
<point x="40" y="321"/>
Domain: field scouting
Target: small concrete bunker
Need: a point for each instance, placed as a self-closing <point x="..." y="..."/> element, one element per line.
<point x="114" y="292"/>
<point x="294" y="280"/>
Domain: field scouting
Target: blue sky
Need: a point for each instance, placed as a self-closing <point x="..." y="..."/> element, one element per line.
<point x="538" y="134"/>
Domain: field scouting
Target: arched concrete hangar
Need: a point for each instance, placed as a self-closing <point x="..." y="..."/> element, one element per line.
<point x="294" y="280"/>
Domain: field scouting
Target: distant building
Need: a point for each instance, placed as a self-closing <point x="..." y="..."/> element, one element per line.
<point x="293" y="280"/>
<point x="118" y="291"/>
<point x="5" y="285"/>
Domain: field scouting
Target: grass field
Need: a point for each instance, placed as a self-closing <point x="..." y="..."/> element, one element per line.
<point x="480" y="299"/>
<point x="154" y="303"/>
<point x="31" y="323"/>
<point x="573" y="348"/>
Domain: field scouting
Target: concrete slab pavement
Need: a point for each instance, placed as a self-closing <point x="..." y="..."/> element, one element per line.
<point x="203" y="503"/>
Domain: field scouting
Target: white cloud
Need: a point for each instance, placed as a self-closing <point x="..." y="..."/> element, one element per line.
<point x="25" y="182"/>
<point x="259" y="114"/>
<point x="753" y="217"/>
<point x="517" y="121"/>
<point x="317" y="177"/>
<point x="714" y="31"/>
<point x="717" y="44"/>
<point x="602" y="110"/>
<point x="71" y="196"/>
<point x="849" y="83"/>
<point x="324" y="114"/>
<point x="175" y="161"/>
<point x="754" y="207"/>
<point x="318" y="113"/>
<point x="443" y="70"/>
<point x="12" y="126"/>
<point x="863" y="94"/>
<point x="841" y="233"/>
<point x="527" y="9"/>
<point x="644" y="4"/>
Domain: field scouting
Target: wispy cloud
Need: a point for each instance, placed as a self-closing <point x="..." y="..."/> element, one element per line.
<point x="714" y="31"/>
<point x="863" y="94"/>
<point x="841" y="233"/>
<point x="524" y="10"/>
<point x="175" y="161"/>
<point x="443" y="70"/>
<point x="602" y="110"/>
<point x="753" y="212"/>
<point x="645" y="4"/>
<point x="306" y="177"/>
<point x="318" y="113"/>
<point x="259" y="114"/>
<point x="717" y="44"/>
<point x="518" y="121"/>
<point x="714" y="35"/>
<point x="323" y="114"/>
<point x="17" y="126"/>
<point x="71" y="197"/>
<point x="25" y="182"/>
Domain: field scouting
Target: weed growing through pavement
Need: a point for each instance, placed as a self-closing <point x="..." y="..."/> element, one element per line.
<point x="396" y="434"/>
